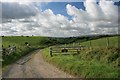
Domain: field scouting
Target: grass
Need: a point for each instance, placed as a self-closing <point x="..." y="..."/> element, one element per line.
<point x="20" y="41"/>
<point x="100" y="62"/>
<point x="102" y="42"/>
<point x="98" y="43"/>
<point x="21" y="48"/>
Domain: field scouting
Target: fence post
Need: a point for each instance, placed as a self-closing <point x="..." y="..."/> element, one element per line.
<point x="107" y="39"/>
<point x="90" y="45"/>
<point x="65" y="45"/>
<point x="77" y="50"/>
<point x="73" y="44"/>
<point x="50" y="51"/>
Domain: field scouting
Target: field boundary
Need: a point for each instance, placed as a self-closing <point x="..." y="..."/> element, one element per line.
<point x="65" y="50"/>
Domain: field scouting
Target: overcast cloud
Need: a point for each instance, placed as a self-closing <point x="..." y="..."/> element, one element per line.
<point x="28" y="19"/>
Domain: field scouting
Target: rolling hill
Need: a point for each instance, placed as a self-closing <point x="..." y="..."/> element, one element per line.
<point x="98" y="59"/>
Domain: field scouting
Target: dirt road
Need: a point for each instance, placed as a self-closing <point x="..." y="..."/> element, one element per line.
<point x="33" y="66"/>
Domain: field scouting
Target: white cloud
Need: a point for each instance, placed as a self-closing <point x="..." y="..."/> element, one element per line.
<point x="95" y="19"/>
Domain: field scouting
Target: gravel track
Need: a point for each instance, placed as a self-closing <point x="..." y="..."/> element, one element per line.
<point x="33" y="66"/>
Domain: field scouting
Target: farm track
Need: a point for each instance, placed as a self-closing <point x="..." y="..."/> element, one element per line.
<point x="33" y="66"/>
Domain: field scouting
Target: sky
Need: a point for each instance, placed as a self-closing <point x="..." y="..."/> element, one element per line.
<point x="59" y="19"/>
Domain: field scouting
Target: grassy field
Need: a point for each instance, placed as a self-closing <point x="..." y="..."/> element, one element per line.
<point x="21" y="48"/>
<point x="20" y="41"/>
<point x="102" y="43"/>
<point x="98" y="43"/>
<point x="98" y="62"/>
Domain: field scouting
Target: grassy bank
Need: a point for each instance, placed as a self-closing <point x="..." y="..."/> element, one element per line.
<point x="16" y="55"/>
<point x="99" y="62"/>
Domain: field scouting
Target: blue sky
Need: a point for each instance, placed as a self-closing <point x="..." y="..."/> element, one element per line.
<point x="60" y="7"/>
<point x="117" y="3"/>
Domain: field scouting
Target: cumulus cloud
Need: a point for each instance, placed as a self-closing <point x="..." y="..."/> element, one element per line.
<point x="96" y="17"/>
<point x="28" y="19"/>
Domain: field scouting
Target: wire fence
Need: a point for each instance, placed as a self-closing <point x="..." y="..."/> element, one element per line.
<point x="87" y="45"/>
<point x="99" y="43"/>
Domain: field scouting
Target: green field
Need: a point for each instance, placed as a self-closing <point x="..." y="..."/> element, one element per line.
<point x="99" y="62"/>
<point x="22" y="49"/>
<point x="98" y="43"/>
<point x="20" y="41"/>
<point x="102" y="43"/>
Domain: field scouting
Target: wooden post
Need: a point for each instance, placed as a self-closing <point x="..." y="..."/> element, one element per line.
<point x="90" y="45"/>
<point x="65" y="45"/>
<point x="77" y="50"/>
<point x="107" y="39"/>
<point x="50" y="51"/>
<point x="73" y="44"/>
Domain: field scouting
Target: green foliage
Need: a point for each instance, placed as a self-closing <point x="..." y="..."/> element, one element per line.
<point x="16" y="55"/>
<point x="83" y="67"/>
